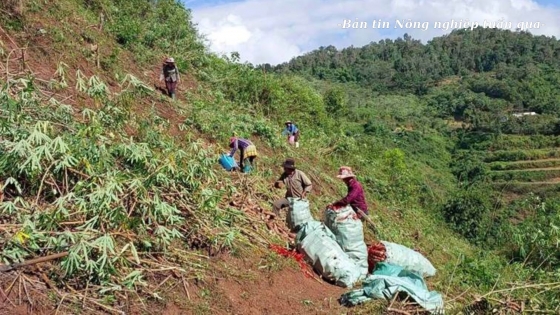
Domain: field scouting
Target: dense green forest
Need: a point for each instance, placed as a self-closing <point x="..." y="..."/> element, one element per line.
<point x="95" y="162"/>
<point x="476" y="76"/>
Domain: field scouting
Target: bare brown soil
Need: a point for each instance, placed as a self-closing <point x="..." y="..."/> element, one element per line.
<point x="287" y="291"/>
<point x="238" y="286"/>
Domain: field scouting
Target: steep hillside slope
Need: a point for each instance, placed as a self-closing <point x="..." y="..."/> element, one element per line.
<point x="96" y="163"/>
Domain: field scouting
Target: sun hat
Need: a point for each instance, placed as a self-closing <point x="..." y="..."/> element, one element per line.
<point x="289" y="163"/>
<point x="288" y="122"/>
<point x="170" y="60"/>
<point x="345" y="172"/>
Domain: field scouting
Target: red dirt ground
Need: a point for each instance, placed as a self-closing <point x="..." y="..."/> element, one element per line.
<point x="283" y="292"/>
<point x="286" y="291"/>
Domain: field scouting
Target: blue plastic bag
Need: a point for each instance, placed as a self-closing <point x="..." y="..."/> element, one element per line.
<point x="388" y="280"/>
<point x="227" y="162"/>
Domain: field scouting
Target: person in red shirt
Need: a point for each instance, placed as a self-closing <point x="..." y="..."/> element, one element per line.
<point x="356" y="196"/>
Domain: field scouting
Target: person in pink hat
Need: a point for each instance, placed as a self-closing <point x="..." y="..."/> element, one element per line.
<point x="356" y="197"/>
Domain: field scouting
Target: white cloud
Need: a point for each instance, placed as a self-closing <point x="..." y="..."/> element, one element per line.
<point x="274" y="31"/>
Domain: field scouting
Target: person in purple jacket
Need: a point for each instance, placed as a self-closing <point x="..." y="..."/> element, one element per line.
<point x="356" y="197"/>
<point x="247" y="150"/>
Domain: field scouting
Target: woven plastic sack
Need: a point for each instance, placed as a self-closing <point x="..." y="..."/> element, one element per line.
<point x="309" y="227"/>
<point x="326" y="256"/>
<point x="389" y="280"/>
<point x="349" y="232"/>
<point x="298" y="213"/>
<point x="408" y="259"/>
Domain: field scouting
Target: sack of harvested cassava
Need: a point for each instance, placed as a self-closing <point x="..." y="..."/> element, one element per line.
<point x="349" y="233"/>
<point x="317" y="243"/>
<point x="310" y="226"/>
<point x="408" y="259"/>
<point x="298" y="213"/>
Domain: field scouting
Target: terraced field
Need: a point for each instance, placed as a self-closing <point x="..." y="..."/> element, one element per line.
<point x="526" y="166"/>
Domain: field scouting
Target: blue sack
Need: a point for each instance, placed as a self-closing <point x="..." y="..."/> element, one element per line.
<point x="227" y="162"/>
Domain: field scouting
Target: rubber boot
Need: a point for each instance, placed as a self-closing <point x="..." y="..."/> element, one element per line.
<point x="173" y="96"/>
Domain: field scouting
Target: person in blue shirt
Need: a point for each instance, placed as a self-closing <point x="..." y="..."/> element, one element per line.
<point x="292" y="130"/>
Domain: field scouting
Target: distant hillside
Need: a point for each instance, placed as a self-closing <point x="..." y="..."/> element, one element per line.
<point x="522" y="69"/>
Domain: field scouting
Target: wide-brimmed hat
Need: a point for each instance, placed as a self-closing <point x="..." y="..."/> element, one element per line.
<point x="288" y="122"/>
<point x="345" y="172"/>
<point x="170" y="60"/>
<point x="289" y="163"/>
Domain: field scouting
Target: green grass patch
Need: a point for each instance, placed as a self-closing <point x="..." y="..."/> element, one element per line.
<point x="524" y="175"/>
<point x="510" y="142"/>
<point x="517" y="155"/>
<point x="521" y="165"/>
<point x="493" y="142"/>
<point x="520" y="188"/>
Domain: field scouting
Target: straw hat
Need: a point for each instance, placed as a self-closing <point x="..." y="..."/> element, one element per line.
<point x="345" y="172"/>
<point x="170" y="60"/>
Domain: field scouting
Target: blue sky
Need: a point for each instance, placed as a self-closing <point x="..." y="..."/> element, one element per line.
<point x="274" y="31"/>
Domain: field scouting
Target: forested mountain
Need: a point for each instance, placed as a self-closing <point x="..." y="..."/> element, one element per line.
<point x="522" y="68"/>
<point x="406" y="64"/>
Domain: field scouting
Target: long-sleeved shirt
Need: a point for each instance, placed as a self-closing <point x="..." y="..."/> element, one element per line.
<point x="170" y="73"/>
<point x="291" y="130"/>
<point x="355" y="197"/>
<point x="296" y="184"/>
<point x="239" y="143"/>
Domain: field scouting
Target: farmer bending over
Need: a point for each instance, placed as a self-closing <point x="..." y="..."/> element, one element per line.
<point x="297" y="184"/>
<point x="355" y="197"/>
<point x="247" y="151"/>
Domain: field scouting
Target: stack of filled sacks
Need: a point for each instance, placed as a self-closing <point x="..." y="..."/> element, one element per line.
<point x="349" y="232"/>
<point x="320" y="247"/>
<point x="396" y="268"/>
